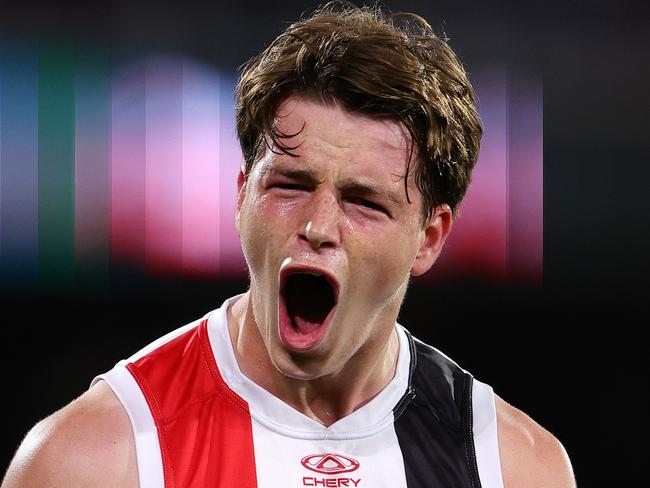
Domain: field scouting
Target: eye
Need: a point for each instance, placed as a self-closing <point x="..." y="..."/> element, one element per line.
<point x="369" y="204"/>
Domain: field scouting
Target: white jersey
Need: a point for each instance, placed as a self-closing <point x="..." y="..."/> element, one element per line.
<point x="198" y="422"/>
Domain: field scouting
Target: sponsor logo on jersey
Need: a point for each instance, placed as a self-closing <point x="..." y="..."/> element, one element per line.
<point x="330" y="463"/>
<point x="330" y="482"/>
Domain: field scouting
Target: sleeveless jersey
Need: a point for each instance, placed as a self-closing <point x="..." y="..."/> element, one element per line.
<point x="199" y="422"/>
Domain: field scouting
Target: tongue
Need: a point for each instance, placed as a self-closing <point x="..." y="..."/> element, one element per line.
<point x="309" y="299"/>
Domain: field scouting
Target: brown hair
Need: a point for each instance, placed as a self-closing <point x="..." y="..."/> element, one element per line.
<point x="390" y="67"/>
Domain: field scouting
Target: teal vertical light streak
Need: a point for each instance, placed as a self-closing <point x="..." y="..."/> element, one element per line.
<point x="56" y="164"/>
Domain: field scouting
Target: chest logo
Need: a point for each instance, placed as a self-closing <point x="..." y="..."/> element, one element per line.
<point x="330" y="463"/>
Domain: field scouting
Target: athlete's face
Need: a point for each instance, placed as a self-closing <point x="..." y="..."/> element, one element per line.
<point x="330" y="238"/>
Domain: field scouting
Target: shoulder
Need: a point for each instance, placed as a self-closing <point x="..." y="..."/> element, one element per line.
<point x="531" y="457"/>
<point x="87" y="443"/>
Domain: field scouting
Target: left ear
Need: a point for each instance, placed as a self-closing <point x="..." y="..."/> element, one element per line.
<point x="434" y="234"/>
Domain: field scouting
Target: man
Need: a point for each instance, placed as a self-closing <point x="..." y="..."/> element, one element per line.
<point x="359" y="137"/>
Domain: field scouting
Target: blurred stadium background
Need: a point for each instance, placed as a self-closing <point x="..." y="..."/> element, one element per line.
<point x="118" y="162"/>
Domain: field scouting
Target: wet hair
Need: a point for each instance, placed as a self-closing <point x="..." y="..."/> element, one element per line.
<point x="377" y="64"/>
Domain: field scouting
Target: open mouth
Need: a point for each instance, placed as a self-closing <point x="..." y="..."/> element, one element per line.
<point x="307" y="302"/>
<point x="309" y="299"/>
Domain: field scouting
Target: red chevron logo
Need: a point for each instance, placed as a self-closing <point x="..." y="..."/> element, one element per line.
<point x="330" y="463"/>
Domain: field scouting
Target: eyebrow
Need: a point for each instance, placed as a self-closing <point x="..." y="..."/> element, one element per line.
<point x="300" y="175"/>
<point x="349" y="186"/>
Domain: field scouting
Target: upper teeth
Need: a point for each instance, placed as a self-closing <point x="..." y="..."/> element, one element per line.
<point x="313" y="273"/>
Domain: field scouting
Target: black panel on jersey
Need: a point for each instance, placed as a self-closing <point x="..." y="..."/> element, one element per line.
<point x="433" y="422"/>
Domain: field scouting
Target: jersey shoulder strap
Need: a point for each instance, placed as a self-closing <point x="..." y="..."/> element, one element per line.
<point x="194" y="413"/>
<point x="434" y="422"/>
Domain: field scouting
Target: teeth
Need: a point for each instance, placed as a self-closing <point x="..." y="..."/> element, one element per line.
<point x="312" y="273"/>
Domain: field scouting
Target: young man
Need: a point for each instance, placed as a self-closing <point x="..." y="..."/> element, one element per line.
<point x="359" y="138"/>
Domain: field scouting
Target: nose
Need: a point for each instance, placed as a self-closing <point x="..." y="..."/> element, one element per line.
<point x="322" y="222"/>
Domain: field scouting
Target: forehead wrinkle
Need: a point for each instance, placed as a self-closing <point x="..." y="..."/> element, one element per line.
<point x="344" y="140"/>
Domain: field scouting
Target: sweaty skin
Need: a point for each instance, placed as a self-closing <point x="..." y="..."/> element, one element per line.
<point x="339" y="206"/>
<point x="89" y="443"/>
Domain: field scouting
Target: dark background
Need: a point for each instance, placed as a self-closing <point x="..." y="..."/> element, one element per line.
<point x="570" y="353"/>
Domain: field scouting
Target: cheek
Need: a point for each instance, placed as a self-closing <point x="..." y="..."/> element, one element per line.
<point x="275" y="212"/>
<point x="265" y="223"/>
<point x="382" y="260"/>
<point x="252" y="232"/>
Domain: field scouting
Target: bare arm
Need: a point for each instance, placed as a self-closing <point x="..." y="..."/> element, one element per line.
<point x="87" y="443"/>
<point x="531" y="457"/>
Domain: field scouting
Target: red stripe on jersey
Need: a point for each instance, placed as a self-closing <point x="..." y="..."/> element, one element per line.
<point x="204" y="428"/>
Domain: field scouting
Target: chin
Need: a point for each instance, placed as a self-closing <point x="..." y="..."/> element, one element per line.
<point x="300" y="366"/>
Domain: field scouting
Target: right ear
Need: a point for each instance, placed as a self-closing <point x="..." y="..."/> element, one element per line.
<point x="241" y="193"/>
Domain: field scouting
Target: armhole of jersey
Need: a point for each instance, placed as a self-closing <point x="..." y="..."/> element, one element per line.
<point x="147" y="447"/>
<point x="486" y="443"/>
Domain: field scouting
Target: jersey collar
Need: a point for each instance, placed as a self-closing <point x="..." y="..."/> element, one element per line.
<point x="278" y="416"/>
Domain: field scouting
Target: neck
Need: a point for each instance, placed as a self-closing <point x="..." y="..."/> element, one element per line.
<point x="326" y="398"/>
